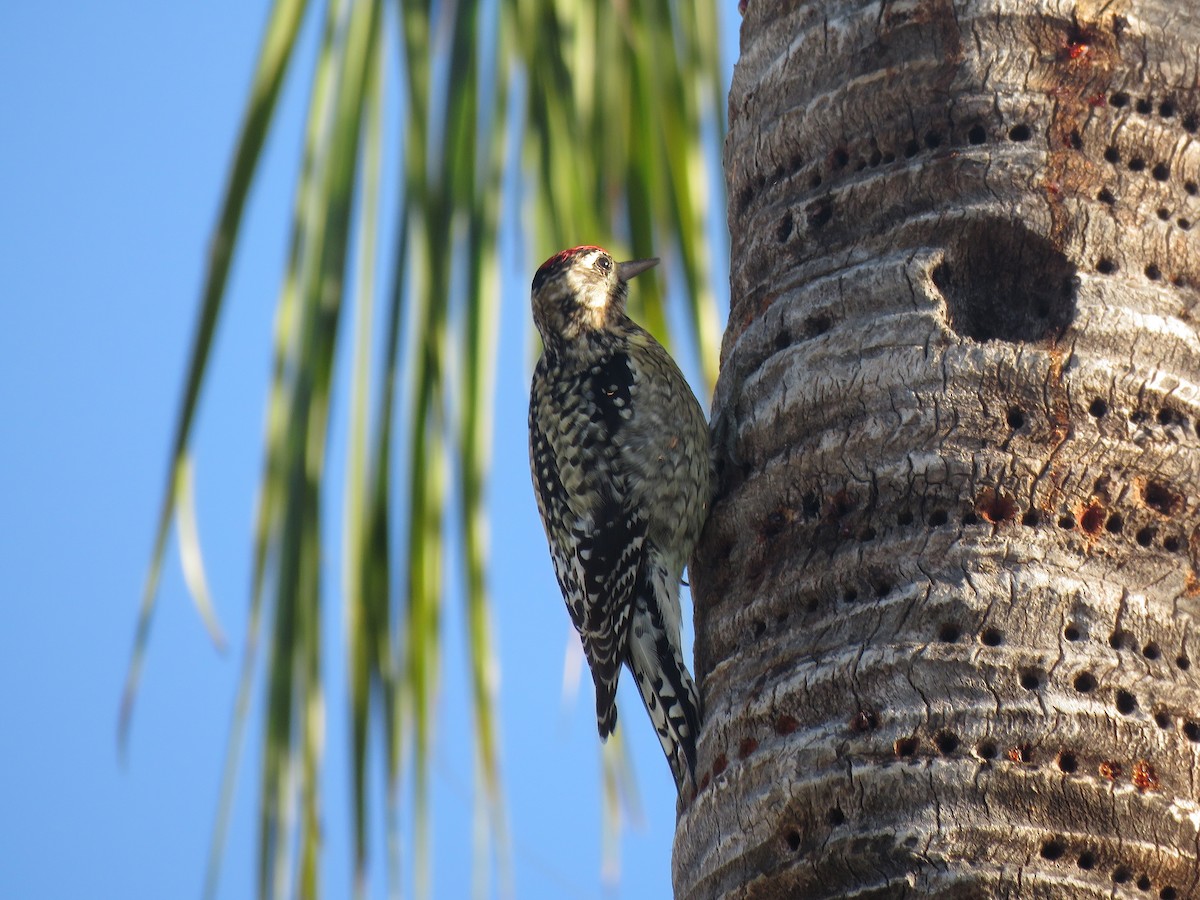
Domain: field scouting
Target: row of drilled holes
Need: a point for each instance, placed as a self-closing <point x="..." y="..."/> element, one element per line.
<point x="1051" y="850"/>
<point x="840" y="159"/>
<point x="820" y="213"/>
<point x="820" y="323"/>
<point x="881" y="587"/>
<point x="1125" y="701"/>
<point x="1142" y="775"/>
<point x="1031" y="679"/>
<point x="1085" y="682"/>
<point x="1106" y="266"/>
<point x="1114" y="524"/>
<point x="976" y="135"/>
<point x="1145" y="107"/>
<point x="1108" y="198"/>
<point x="1165" y="416"/>
<point x="932" y="140"/>
<point x="1092" y="520"/>
<point x="1098" y="409"/>
<point x="986" y="751"/>
<point x="1055" y="849"/>
<point x="949" y="632"/>
<point x="1159" y="172"/>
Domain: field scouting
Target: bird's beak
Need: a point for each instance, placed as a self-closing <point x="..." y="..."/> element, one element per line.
<point x="627" y="270"/>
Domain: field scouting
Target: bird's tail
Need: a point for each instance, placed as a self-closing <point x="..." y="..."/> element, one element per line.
<point x="606" y="699"/>
<point x="667" y="689"/>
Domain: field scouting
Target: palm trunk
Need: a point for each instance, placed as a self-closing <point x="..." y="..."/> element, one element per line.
<point x="947" y="597"/>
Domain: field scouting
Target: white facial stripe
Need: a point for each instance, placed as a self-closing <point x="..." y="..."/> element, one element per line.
<point x="582" y="285"/>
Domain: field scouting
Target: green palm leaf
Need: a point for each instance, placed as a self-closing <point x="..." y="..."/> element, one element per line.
<point x="613" y="105"/>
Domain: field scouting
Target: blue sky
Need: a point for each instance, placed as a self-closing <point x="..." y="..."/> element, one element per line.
<point x="120" y="119"/>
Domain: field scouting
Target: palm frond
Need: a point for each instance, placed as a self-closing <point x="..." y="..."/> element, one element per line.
<point x="617" y="102"/>
<point x="274" y="57"/>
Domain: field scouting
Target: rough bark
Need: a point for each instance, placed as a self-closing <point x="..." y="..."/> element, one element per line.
<point x="947" y="598"/>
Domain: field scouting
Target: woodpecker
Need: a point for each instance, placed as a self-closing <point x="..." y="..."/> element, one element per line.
<point x="618" y="447"/>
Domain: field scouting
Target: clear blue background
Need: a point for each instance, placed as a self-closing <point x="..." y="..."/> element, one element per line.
<point x="119" y="121"/>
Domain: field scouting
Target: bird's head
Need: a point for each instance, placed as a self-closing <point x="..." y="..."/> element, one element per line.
<point x="580" y="290"/>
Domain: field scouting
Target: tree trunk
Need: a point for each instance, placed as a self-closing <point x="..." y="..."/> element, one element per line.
<point x="947" y="598"/>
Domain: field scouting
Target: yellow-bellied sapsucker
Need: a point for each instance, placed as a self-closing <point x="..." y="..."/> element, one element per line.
<point x="618" y="446"/>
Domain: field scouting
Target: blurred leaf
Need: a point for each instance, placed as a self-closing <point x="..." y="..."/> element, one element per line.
<point x="189" y="552"/>
<point x="366" y="596"/>
<point x="274" y="56"/>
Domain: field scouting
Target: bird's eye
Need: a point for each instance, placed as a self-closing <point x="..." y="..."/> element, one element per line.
<point x="603" y="263"/>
